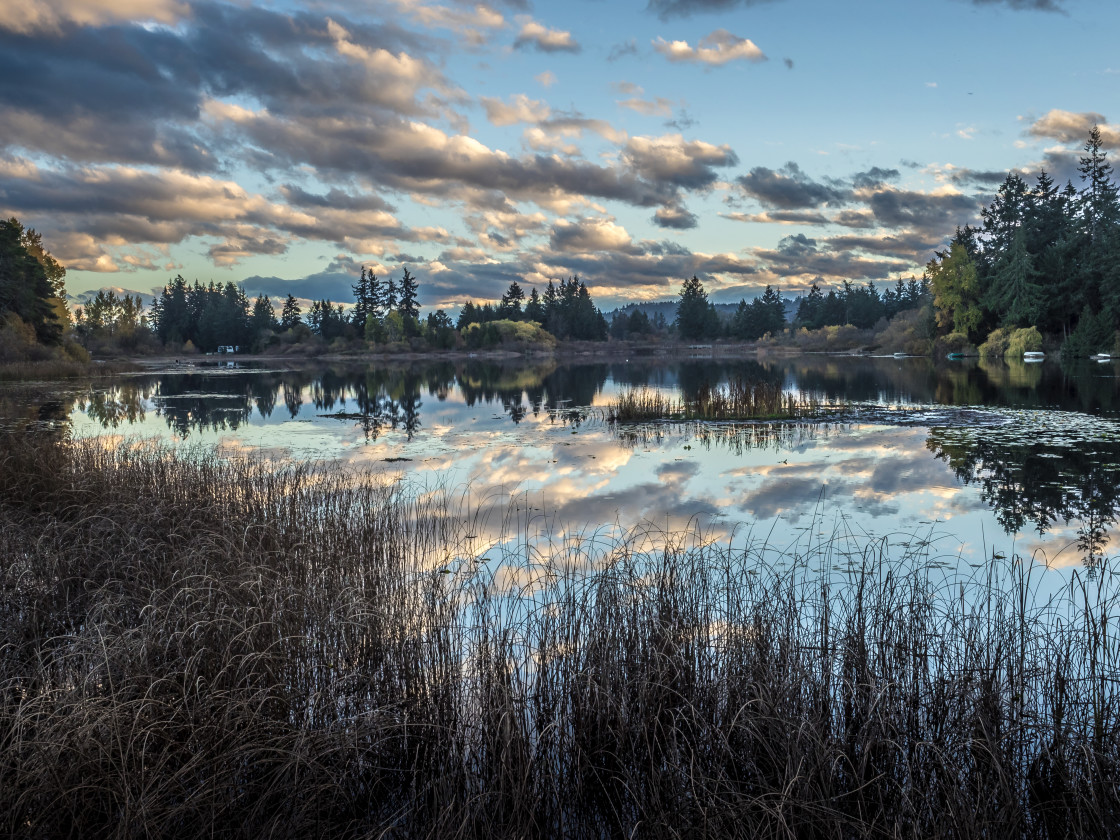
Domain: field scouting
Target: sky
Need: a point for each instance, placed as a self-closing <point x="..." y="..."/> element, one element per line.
<point x="286" y="145"/>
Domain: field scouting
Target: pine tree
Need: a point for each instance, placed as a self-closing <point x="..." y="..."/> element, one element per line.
<point x="389" y="296"/>
<point x="290" y="316"/>
<point x="407" y="305"/>
<point x="363" y="304"/>
<point x="534" y="309"/>
<point x="511" y="302"/>
<point x="692" y="309"/>
<point x="1014" y="294"/>
<point x="31" y="282"/>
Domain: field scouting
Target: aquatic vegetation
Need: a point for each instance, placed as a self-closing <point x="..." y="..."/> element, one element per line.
<point x="739" y="399"/>
<point x="197" y="646"/>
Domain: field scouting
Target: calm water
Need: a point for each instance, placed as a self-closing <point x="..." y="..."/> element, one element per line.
<point x="971" y="458"/>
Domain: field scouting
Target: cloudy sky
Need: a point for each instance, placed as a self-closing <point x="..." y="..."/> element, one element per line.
<point x="632" y="142"/>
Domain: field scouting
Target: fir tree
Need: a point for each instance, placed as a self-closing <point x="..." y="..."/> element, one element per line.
<point x="407" y="305"/>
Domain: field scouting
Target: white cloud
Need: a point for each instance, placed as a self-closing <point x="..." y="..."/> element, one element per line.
<point x="719" y="47"/>
<point x="542" y="38"/>
<point x="547" y="78"/>
<point x="520" y="109"/>
<point x="1070" y="127"/>
<point x="659" y="107"/>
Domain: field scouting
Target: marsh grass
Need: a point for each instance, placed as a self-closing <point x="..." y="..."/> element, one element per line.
<point x="739" y="399"/>
<point x="192" y="646"/>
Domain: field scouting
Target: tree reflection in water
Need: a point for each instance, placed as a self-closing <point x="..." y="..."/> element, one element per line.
<point x="1040" y="474"/>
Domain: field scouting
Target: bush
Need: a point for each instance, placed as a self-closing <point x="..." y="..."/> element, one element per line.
<point x="995" y="347"/>
<point x="1026" y="340"/>
<point x="908" y="332"/>
<point x="954" y="342"/>
<point x="506" y="332"/>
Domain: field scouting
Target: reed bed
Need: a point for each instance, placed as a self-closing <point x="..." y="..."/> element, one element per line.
<point x="196" y="646"/>
<point x="739" y="399"/>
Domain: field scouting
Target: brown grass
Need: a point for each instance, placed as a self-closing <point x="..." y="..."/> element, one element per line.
<point x="197" y="647"/>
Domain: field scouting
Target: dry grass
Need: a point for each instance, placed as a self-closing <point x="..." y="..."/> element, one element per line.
<point x="740" y="399"/>
<point x="195" y="647"/>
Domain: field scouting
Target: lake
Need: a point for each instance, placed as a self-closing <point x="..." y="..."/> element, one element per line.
<point x="966" y="460"/>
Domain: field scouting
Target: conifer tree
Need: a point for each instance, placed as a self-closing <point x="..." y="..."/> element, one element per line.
<point x="407" y="305"/>
<point x="291" y="314"/>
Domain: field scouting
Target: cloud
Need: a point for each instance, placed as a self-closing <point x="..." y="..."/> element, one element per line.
<point x="939" y="211"/>
<point x="1070" y="127"/>
<point x="673" y="160"/>
<point x="520" y="109"/>
<point x="788" y="188"/>
<point x="120" y="207"/>
<point x="666" y="9"/>
<point x="675" y="217"/>
<point x="52" y="15"/>
<point x="588" y="235"/>
<point x="469" y="24"/>
<point x="874" y="177"/>
<point x="546" y="79"/>
<point x="659" y="107"/>
<point x="780" y="217"/>
<point x="714" y="49"/>
<point x="541" y="38"/>
<point x="801" y="256"/>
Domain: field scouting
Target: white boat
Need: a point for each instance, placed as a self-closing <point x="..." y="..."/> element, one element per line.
<point x="1102" y="357"/>
<point x="1033" y="356"/>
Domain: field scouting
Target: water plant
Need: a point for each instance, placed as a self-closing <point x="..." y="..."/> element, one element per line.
<point x="198" y="646"/>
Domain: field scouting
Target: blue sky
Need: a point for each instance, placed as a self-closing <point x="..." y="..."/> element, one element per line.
<point x="752" y="142"/>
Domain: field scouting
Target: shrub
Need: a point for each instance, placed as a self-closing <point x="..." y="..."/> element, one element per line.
<point x="954" y="342"/>
<point x="995" y="347"/>
<point x="908" y="332"/>
<point x="1026" y="340"/>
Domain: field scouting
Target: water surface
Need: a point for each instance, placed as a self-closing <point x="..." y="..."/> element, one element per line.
<point x="970" y="458"/>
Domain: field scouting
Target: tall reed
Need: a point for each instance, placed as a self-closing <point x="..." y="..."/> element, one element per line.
<point x="192" y="646"/>
<point x="739" y="399"/>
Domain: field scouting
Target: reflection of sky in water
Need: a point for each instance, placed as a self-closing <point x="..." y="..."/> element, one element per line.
<point x="805" y="486"/>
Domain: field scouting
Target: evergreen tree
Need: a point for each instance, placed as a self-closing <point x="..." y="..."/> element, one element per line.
<point x="1100" y="204"/>
<point x="291" y="314"/>
<point x="263" y="318"/>
<point x="534" y="309"/>
<point x="692" y="310"/>
<point x="810" y="311"/>
<point x="363" y="301"/>
<point x="511" y="302"/>
<point x="31" y="283"/>
<point x="407" y="306"/>
<point x="389" y="296"/>
<point x="1014" y="294"/>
